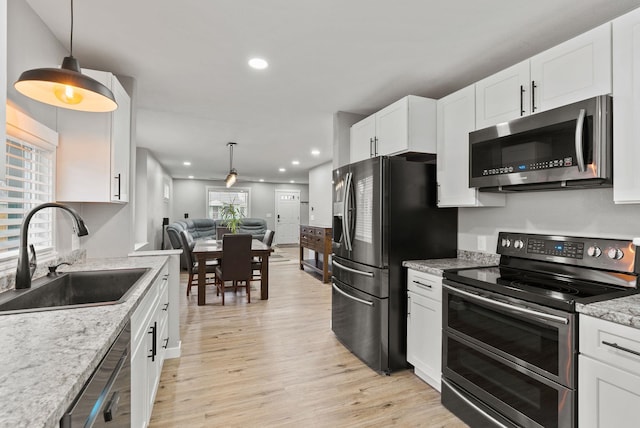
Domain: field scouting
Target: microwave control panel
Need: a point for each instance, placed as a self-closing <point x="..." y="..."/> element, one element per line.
<point x="534" y="166"/>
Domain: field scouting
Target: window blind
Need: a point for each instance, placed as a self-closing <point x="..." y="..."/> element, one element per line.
<point x="28" y="183"/>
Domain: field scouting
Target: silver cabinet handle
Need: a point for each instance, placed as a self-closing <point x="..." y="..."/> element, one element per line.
<point x="348" y="269"/>
<point x="366" y="302"/>
<point x="470" y="403"/>
<point x="621" y="348"/>
<point x="579" y="126"/>
<point x="491" y="302"/>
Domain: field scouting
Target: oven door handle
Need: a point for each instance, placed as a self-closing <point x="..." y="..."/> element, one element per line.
<point x="537" y="314"/>
<point x="579" y="128"/>
<point x="366" y="302"/>
<point x="471" y="404"/>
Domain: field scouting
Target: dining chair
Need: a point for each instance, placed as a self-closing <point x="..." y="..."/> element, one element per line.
<point x="221" y="231"/>
<point x="256" y="264"/>
<point x="192" y="265"/>
<point x="236" y="263"/>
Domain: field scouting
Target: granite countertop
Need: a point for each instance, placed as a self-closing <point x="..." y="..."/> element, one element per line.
<point x="48" y="356"/>
<point x="465" y="259"/>
<point x="624" y="310"/>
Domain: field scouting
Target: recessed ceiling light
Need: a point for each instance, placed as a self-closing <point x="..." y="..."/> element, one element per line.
<point x="292" y="181"/>
<point x="295" y="162"/>
<point x="261" y="180"/>
<point x="191" y="176"/>
<point x="186" y="163"/>
<point x="315" y="152"/>
<point x="281" y="169"/>
<point x="258" y="63"/>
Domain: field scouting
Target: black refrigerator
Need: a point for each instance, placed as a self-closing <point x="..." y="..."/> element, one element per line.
<point x="384" y="212"/>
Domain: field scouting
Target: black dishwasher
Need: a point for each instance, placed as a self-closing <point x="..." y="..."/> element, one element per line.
<point x="105" y="400"/>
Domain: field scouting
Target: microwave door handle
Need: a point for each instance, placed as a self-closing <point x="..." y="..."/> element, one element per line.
<point x="345" y="213"/>
<point x="579" y="129"/>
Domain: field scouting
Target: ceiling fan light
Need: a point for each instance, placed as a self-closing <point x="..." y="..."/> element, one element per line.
<point x="66" y="87"/>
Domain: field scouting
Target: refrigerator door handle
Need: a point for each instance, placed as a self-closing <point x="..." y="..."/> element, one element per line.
<point x="348" y="269"/>
<point x="346" y="219"/>
<point x="366" y="302"/>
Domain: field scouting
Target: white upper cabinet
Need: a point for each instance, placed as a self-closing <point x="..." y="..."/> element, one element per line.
<point x="408" y="125"/>
<point x="456" y="118"/>
<point x="503" y="96"/>
<point x="93" y="155"/>
<point x="362" y="139"/>
<point x="575" y="70"/>
<point x="626" y="107"/>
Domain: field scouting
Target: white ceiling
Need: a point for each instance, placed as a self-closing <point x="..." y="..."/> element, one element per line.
<point x="195" y="91"/>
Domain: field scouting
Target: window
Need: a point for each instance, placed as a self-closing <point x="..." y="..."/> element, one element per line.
<point x="27" y="172"/>
<point x="218" y="196"/>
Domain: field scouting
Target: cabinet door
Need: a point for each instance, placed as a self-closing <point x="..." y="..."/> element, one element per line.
<point x="140" y="412"/>
<point x="424" y="338"/>
<point x="456" y="118"/>
<point x="392" y="127"/>
<point x="572" y="71"/>
<point x="626" y="105"/>
<point x="362" y="139"/>
<point x="120" y="144"/>
<point x="607" y="396"/>
<point x="503" y="96"/>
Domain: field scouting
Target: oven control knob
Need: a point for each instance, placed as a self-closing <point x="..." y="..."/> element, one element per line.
<point x="615" y="253"/>
<point x="518" y="244"/>
<point x="594" y="251"/>
<point x="506" y="242"/>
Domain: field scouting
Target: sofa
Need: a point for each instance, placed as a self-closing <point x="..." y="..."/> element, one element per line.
<point x="205" y="228"/>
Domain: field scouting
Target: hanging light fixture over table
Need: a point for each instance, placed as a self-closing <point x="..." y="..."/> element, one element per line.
<point x="66" y="86"/>
<point x="233" y="174"/>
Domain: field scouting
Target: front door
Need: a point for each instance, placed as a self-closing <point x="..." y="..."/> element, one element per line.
<point x="287" y="217"/>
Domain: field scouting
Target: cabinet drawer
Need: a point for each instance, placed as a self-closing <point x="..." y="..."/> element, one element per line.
<point x="425" y="284"/>
<point x="615" y="344"/>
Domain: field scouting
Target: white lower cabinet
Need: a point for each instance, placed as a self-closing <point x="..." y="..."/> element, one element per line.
<point x="149" y="338"/>
<point x="424" y="325"/>
<point x="608" y="374"/>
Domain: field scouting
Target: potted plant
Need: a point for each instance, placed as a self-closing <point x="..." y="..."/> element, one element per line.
<point x="231" y="216"/>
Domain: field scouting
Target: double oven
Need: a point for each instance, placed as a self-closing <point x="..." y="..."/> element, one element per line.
<point x="510" y="331"/>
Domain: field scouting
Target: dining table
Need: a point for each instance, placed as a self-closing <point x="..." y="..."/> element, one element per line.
<point x="212" y="249"/>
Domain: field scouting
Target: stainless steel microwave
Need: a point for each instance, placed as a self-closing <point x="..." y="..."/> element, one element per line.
<point x="567" y="147"/>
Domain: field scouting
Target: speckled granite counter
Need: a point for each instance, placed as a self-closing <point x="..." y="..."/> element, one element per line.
<point x="47" y="356"/>
<point x="625" y="310"/>
<point x="465" y="259"/>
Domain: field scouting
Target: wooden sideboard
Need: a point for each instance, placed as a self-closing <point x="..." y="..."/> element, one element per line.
<point x="317" y="239"/>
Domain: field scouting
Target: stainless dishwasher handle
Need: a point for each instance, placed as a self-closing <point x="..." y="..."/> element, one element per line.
<point x="537" y="314"/>
<point x="471" y="404"/>
<point x="94" y="415"/>
<point x="579" y="127"/>
<point x="366" y="302"/>
<point x="621" y="348"/>
<point x="348" y="269"/>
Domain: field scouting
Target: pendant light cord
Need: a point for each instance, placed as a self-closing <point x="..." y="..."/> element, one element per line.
<point x="231" y="157"/>
<point x="71" y="32"/>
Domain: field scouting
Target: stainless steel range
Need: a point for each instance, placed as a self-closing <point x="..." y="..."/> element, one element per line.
<point x="510" y="331"/>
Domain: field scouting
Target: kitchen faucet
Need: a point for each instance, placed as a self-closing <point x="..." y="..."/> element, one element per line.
<point x="27" y="267"/>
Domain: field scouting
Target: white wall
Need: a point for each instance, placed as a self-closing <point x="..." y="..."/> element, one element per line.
<point x="151" y="206"/>
<point x="189" y="196"/>
<point x="320" y="195"/>
<point x="586" y="213"/>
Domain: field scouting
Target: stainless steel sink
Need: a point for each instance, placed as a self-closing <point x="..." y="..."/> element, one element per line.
<point x="72" y="290"/>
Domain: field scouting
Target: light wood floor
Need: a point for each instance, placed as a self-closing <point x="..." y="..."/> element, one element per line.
<point x="276" y="363"/>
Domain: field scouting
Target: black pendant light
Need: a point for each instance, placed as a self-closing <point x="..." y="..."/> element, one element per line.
<point x="66" y="86"/>
<point x="233" y="174"/>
